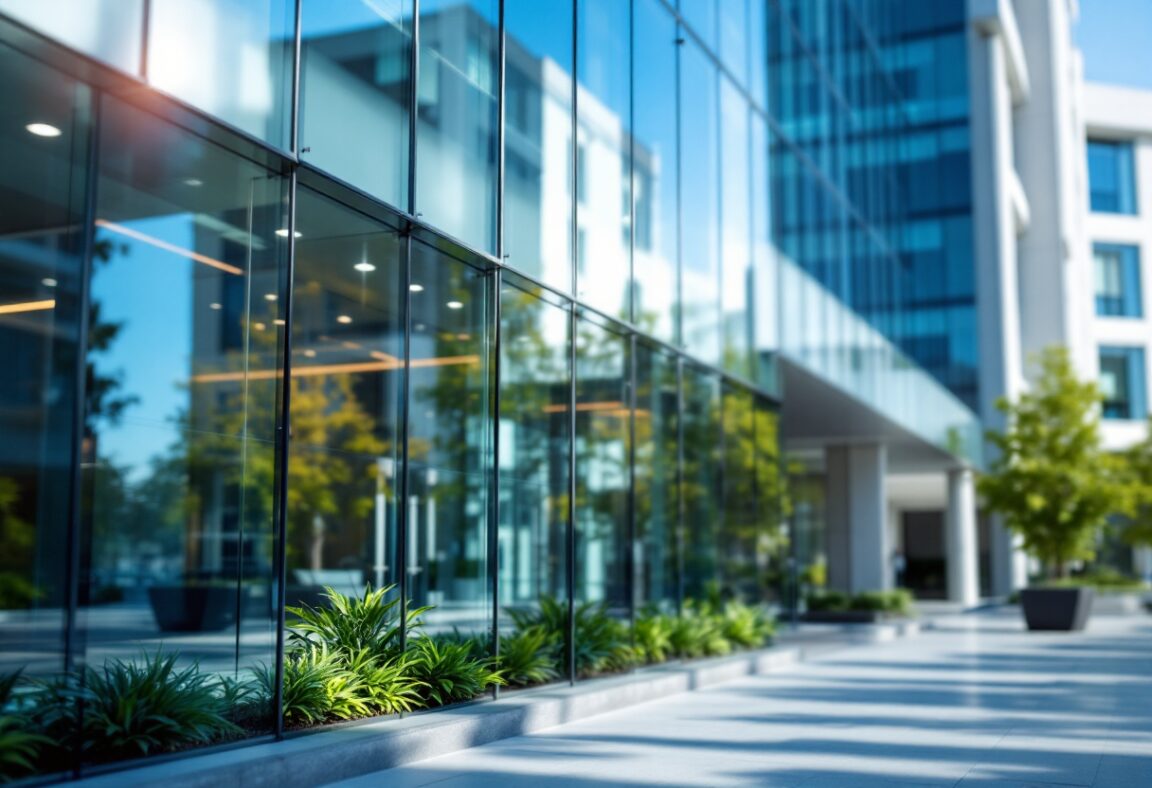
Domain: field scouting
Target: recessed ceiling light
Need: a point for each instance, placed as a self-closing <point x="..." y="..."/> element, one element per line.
<point x="309" y="353"/>
<point x="345" y="319"/>
<point x="364" y="266"/>
<point x="215" y="306"/>
<point x="416" y="288"/>
<point x="48" y="281"/>
<point x="283" y="233"/>
<point x="43" y="130"/>
<point x="269" y="296"/>
<point x="259" y="326"/>
<point x="455" y="305"/>
<point x="419" y="326"/>
<point x="193" y="182"/>
<point x="278" y="322"/>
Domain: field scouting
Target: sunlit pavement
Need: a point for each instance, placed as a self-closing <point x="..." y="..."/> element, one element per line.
<point x="975" y="702"/>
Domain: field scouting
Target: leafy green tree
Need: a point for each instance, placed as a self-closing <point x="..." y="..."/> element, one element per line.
<point x="1050" y="478"/>
<point x="1136" y="524"/>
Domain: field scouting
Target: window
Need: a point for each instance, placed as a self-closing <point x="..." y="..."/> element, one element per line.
<point x="1122" y="382"/>
<point x="1117" y="280"/>
<point x="1110" y="177"/>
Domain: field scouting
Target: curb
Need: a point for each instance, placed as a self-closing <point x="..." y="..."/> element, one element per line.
<point x="344" y="752"/>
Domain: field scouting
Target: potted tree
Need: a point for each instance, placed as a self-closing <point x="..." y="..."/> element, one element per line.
<point x="1053" y="484"/>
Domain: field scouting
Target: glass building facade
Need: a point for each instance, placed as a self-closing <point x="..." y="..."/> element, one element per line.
<point x="481" y="302"/>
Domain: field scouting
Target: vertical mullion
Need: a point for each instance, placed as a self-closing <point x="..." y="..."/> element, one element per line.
<point x="294" y="111"/>
<point x="500" y="111"/>
<point x="632" y="568"/>
<point x="679" y="535"/>
<point x="73" y="638"/>
<point x="413" y="107"/>
<point x="145" y="25"/>
<point x="283" y="444"/>
<point x="574" y="251"/>
<point x="494" y="482"/>
<point x="405" y="415"/>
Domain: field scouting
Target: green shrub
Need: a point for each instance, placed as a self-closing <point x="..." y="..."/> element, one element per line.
<point x="528" y="656"/>
<point x="602" y="642"/>
<point x="653" y="637"/>
<point x="246" y="700"/>
<point x="20" y="744"/>
<point x="698" y="633"/>
<point x="389" y="687"/>
<point x="353" y="624"/>
<point x="446" y="672"/>
<point x="133" y="708"/>
<point x="317" y="686"/>
<point x="828" y="602"/>
<point x="746" y="626"/>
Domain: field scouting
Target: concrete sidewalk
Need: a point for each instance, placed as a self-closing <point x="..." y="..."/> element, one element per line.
<point x="974" y="702"/>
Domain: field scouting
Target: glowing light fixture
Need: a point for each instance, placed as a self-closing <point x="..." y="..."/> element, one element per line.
<point x="416" y="288"/>
<point x="167" y="247"/>
<point x="283" y="233"/>
<point x="309" y="353"/>
<point x="259" y="326"/>
<point x="193" y="182"/>
<point x="269" y="296"/>
<point x="345" y="319"/>
<point x="364" y="266"/>
<point x="48" y="281"/>
<point x="279" y="322"/>
<point x="27" y="306"/>
<point x="43" y="130"/>
<point x="215" y="305"/>
<point x="455" y="305"/>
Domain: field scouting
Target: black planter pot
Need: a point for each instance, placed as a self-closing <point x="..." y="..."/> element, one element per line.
<point x="193" y="608"/>
<point x="1056" y="609"/>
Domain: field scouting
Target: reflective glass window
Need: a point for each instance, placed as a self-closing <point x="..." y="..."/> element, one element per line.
<point x="535" y="462"/>
<point x="1123" y="383"/>
<point x="179" y="448"/>
<point x="604" y="108"/>
<point x="734" y="37"/>
<point x="347" y="380"/>
<point x="231" y="58"/>
<point x="457" y="113"/>
<point x="603" y="552"/>
<point x="1117" y="280"/>
<point x="355" y="82"/>
<point x="109" y="30"/>
<point x="449" y="445"/>
<point x="699" y="189"/>
<point x="701" y="17"/>
<point x="736" y="234"/>
<point x="1111" y="177"/>
<point x="42" y="190"/>
<point x="655" y="285"/>
<point x="739" y="537"/>
<point x="657" y="484"/>
<point x="701" y="480"/>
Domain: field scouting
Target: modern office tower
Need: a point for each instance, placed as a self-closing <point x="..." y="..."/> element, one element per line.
<point x="507" y="304"/>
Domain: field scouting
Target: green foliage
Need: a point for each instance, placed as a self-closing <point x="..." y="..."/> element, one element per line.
<point x="653" y="637"/>
<point x="446" y="672"/>
<point x="896" y="602"/>
<point x="746" y="626"/>
<point x="828" y="601"/>
<point x="698" y="633"/>
<point x="1136" y="473"/>
<point x="20" y="745"/>
<point x="317" y="686"/>
<point x="529" y="656"/>
<point x="388" y="684"/>
<point x="602" y="642"/>
<point x="353" y="624"/>
<point x="1050" y="479"/>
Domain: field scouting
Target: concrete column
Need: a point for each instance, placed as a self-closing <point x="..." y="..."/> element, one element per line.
<point x="1009" y="563"/>
<point x="960" y="532"/>
<point x="859" y="548"/>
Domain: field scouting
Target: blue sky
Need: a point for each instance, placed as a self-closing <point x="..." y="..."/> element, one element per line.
<point x="1116" y="38"/>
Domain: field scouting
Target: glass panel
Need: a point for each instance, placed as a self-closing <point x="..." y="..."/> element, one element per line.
<point x="1118" y="280"/>
<point x="110" y="30"/>
<point x="603" y="553"/>
<point x="449" y="446"/>
<point x="42" y="188"/>
<point x="736" y="236"/>
<point x="657" y="485"/>
<point x="699" y="188"/>
<point x="538" y="140"/>
<point x="230" y="58"/>
<point x="179" y="447"/>
<point x="701" y="17"/>
<point x="1122" y="382"/>
<point x="772" y="545"/>
<point x="1111" y="177"/>
<point x="734" y="37"/>
<point x="535" y="471"/>
<point x="355" y="78"/>
<point x="739" y="537"/>
<point x="604" y="160"/>
<point x="347" y="378"/>
<point x="701" y="474"/>
<point x="457" y="113"/>
<point x="654" y="178"/>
